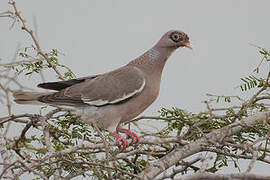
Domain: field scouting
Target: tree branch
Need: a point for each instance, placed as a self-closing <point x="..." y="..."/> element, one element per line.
<point x="238" y="176"/>
<point x="30" y="32"/>
<point x="194" y="147"/>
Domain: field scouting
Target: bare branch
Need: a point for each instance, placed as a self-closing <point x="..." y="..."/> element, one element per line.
<point x="172" y="173"/>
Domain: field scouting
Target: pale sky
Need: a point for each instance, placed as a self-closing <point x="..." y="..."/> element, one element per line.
<point x="98" y="36"/>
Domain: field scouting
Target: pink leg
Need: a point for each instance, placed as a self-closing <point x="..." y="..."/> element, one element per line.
<point x="120" y="138"/>
<point x="132" y="135"/>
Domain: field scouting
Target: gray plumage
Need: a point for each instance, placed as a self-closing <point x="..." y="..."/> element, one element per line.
<point x="115" y="97"/>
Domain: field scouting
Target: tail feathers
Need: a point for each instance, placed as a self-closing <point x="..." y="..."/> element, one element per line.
<point x="28" y="97"/>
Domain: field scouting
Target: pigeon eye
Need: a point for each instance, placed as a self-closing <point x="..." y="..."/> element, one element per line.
<point x="176" y="37"/>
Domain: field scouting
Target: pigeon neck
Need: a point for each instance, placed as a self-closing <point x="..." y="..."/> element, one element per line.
<point x="160" y="54"/>
<point x="154" y="60"/>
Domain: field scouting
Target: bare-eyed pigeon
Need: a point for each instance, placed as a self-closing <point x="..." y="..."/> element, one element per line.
<point x="115" y="97"/>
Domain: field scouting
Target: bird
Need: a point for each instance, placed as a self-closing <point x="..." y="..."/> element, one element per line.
<point x="115" y="97"/>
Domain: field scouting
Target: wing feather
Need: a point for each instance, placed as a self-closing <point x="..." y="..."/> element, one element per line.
<point x="59" y="85"/>
<point x="110" y="88"/>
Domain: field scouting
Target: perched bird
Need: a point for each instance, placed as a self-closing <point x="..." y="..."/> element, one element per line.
<point x="115" y="97"/>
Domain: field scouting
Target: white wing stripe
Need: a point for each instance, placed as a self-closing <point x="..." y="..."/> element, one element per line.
<point x="130" y="94"/>
<point x="101" y="102"/>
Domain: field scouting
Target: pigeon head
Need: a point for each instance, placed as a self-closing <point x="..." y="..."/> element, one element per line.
<point x="174" y="39"/>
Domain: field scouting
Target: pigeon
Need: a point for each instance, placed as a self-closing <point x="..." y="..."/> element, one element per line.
<point x="115" y="97"/>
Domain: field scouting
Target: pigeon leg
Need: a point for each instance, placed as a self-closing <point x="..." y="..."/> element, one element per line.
<point x="119" y="138"/>
<point x="132" y="135"/>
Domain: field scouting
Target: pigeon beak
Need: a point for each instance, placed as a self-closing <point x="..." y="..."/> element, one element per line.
<point x="188" y="45"/>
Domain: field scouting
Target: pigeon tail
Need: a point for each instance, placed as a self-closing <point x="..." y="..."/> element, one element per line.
<point x="21" y="97"/>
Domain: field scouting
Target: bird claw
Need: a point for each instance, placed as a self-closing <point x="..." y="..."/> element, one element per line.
<point x="119" y="138"/>
<point x="132" y="135"/>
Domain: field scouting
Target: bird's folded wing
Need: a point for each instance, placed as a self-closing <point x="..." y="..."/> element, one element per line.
<point x="110" y="88"/>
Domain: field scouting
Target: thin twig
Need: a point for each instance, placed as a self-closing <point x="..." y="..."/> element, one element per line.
<point x="30" y="32"/>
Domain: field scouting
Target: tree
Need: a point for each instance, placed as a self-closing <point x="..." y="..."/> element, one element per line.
<point x="53" y="144"/>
